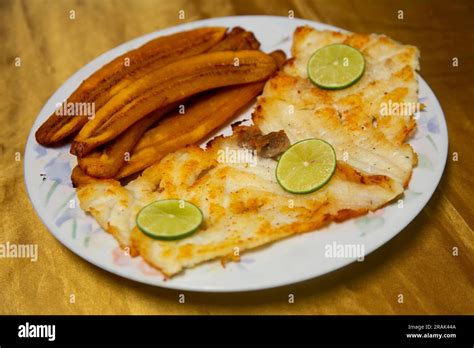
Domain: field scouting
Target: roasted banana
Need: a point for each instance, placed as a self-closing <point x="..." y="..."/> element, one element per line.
<point x="167" y="85"/>
<point x="202" y="118"/>
<point x="237" y="40"/>
<point x="106" y="162"/>
<point x="120" y="72"/>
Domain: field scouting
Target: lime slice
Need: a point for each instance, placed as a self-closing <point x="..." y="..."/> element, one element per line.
<point x="306" y="166"/>
<point x="169" y="219"/>
<point x="336" y="66"/>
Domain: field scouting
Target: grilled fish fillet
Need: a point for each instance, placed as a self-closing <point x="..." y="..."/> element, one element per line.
<point x="349" y="119"/>
<point x="243" y="205"/>
<point x="389" y="75"/>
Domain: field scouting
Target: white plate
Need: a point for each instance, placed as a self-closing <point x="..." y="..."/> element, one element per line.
<point x="285" y="262"/>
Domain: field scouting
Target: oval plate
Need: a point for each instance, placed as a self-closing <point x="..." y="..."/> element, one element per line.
<point x="48" y="170"/>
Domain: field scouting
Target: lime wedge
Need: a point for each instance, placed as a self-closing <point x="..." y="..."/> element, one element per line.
<point x="336" y="66"/>
<point x="306" y="166"/>
<point x="169" y="219"/>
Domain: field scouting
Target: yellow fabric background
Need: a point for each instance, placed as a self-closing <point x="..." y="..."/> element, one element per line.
<point x="418" y="263"/>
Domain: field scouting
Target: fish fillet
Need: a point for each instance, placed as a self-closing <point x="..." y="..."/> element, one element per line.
<point x="389" y="75"/>
<point x="243" y="205"/>
<point x="349" y="119"/>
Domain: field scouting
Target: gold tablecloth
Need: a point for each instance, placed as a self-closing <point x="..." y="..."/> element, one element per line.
<point x="418" y="263"/>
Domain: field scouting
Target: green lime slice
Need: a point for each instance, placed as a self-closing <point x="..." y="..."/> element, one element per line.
<point x="336" y="66"/>
<point x="169" y="219"/>
<point x="306" y="166"/>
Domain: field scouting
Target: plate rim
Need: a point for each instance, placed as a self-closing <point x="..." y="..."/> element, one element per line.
<point x="286" y="282"/>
